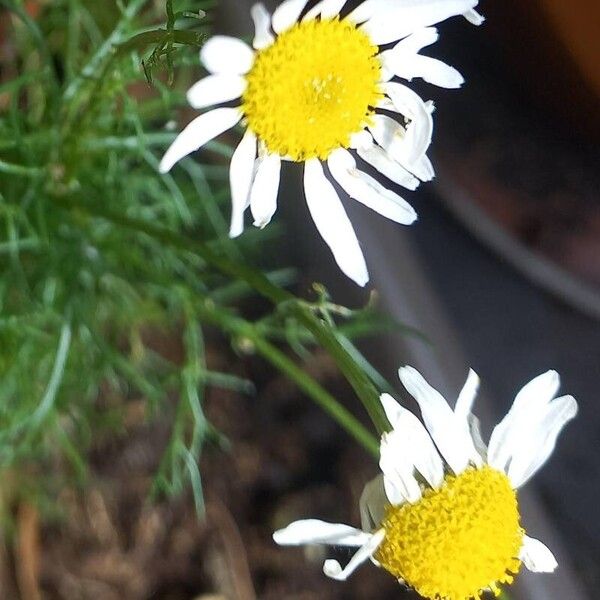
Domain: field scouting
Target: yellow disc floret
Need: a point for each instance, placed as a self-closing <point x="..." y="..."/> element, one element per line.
<point x="313" y="88"/>
<point x="457" y="541"/>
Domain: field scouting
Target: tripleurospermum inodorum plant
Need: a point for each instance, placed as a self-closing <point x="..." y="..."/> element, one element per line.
<point x="97" y="249"/>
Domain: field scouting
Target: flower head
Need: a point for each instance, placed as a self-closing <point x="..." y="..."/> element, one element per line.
<point x="443" y="517"/>
<point x="317" y="88"/>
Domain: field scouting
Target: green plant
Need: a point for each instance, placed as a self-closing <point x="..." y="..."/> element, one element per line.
<point x="96" y="248"/>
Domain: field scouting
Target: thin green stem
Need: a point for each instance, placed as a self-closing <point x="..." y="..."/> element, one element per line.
<point x="318" y="394"/>
<point x="21" y="170"/>
<point x="178" y="36"/>
<point x="227" y="321"/>
<point x="56" y="377"/>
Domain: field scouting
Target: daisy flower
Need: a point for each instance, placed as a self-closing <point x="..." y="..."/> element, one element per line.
<point x="443" y="518"/>
<point x="317" y="88"/>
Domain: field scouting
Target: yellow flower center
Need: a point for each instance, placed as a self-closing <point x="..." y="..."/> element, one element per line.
<point x="313" y="88"/>
<point x="457" y="541"/>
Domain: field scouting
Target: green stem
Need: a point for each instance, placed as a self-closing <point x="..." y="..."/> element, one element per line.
<point x="179" y="36"/>
<point x="13" y="169"/>
<point x="238" y="327"/>
<point x="324" y="335"/>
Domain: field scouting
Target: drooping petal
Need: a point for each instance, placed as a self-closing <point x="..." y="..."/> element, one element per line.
<point x="326" y="9"/>
<point x="398" y="471"/>
<point x="423" y="169"/>
<point x="241" y="174"/>
<point x="333" y="223"/>
<point x="314" y="531"/>
<point x="389" y="20"/>
<point x="215" y="89"/>
<point x="373" y="503"/>
<point x="449" y="433"/>
<point x="287" y="14"/>
<point x="538" y="444"/>
<point x="412" y="440"/>
<point x="420" y="129"/>
<point x="367" y="190"/>
<point x="379" y="159"/>
<point x="199" y="131"/>
<point x="333" y="569"/>
<point x="536" y="556"/>
<point x="263" y="196"/>
<point x="393" y="138"/>
<point x="527" y="407"/>
<point x="262" y="26"/>
<point x="224" y="54"/>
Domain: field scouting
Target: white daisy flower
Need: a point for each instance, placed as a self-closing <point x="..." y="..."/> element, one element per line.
<point x="443" y="517"/>
<point x="312" y="89"/>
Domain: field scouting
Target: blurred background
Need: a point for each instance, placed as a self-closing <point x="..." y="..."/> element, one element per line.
<point x="501" y="273"/>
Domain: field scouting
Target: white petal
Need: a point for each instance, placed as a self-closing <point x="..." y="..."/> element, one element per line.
<point x="474" y="17"/>
<point x="373" y="503"/>
<point x="538" y="392"/>
<point x="420" y="129"/>
<point x="327" y="9"/>
<point x="393" y="138"/>
<point x="367" y="9"/>
<point x="536" y="447"/>
<point x="332" y="222"/>
<point x="436" y="72"/>
<point x="450" y="434"/>
<point x="199" y="131"/>
<point x="536" y="556"/>
<point x="287" y="14"/>
<point x="262" y="26"/>
<point x="526" y="409"/>
<point x="398" y="471"/>
<point x="332" y="568"/>
<point x="361" y="139"/>
<point x="412" y="441"/>
<point x="475" y="431"/>
<point x="408" y="66"/>
<point x="369" y="191"/>
<point x="423" y="169"/>
<point x="263" y="196"/>
<point x="394" y="20"/>
<point x="215" y="89"/>
<point x="393" y="410"/>
<point x="465" y="400"/>
<point x="241" y="174"/>
<point x="379" y="159"/>
<point x="224" y="54"/>
<point x="418" y="40"/>
<point x="314" y="531"/>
